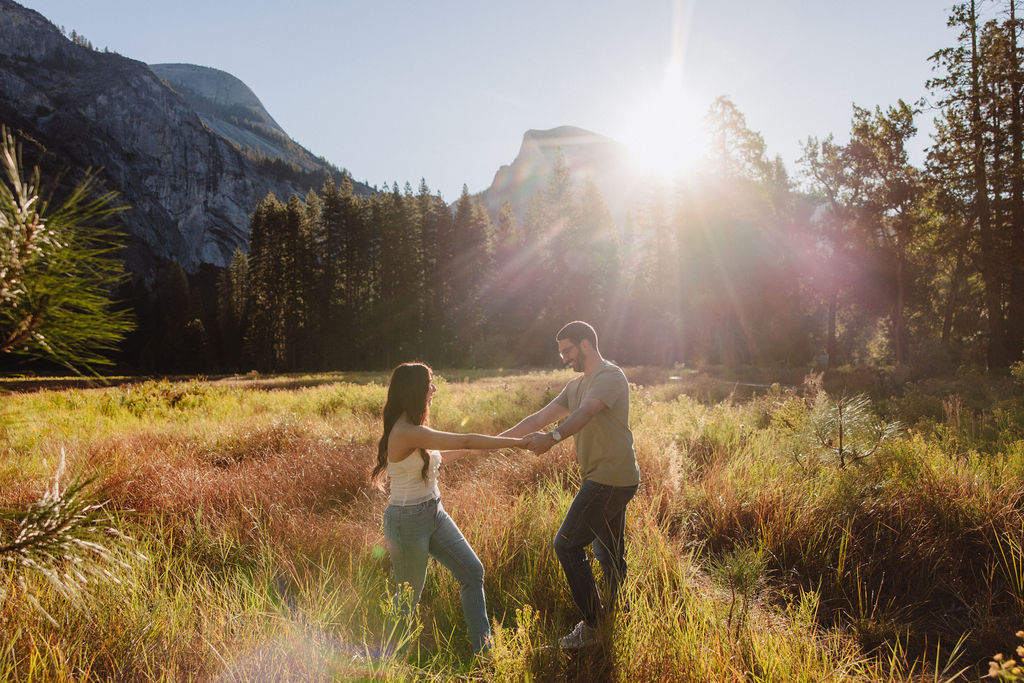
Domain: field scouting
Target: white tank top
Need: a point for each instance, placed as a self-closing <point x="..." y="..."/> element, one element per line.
<point x="407" y="484"/>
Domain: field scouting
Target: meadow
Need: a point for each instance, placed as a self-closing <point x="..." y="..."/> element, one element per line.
<point x="227" y="530"/>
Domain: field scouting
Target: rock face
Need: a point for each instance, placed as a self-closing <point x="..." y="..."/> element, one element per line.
<point x="190" y="186"/>
<point x="587" y="156"/>
<point x="233" y="111"/>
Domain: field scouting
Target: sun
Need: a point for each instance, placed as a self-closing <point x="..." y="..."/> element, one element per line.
<point x="664" y="129"/>
<point x="665" y="133"/>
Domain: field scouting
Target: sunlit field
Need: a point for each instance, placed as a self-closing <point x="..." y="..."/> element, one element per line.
<point x="249" y="543"/>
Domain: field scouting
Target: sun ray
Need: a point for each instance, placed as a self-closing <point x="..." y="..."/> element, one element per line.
<point x="665" y="130"/>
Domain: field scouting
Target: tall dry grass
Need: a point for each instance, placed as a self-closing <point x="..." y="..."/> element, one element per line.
<point x="250" y="502"/>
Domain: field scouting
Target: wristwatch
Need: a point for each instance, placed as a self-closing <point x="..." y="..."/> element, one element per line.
<point x="555" y="435"/>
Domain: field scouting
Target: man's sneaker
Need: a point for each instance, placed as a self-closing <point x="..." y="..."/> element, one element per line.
<point x="581" y="636"/>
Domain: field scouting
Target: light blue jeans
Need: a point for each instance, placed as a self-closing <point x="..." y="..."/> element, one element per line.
<point x="416" y="532"/>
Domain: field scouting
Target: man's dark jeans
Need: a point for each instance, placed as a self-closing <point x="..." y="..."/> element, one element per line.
<point x="597" y="515"/>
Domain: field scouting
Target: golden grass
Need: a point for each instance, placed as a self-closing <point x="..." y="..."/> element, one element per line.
<point x="250" y="499"/>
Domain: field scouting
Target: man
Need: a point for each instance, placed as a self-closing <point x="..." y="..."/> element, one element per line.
<point x="596" y="411"/>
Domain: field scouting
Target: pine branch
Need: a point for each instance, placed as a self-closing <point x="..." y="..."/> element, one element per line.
<point x="66" y="537"/>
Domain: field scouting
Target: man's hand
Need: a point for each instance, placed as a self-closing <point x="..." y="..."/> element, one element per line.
<point x="540" y="442"/>
<point x="552" y="412"/>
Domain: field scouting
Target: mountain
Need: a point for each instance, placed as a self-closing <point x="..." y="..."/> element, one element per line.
<point x="587" y="157"/>
<point x="192" y="159"/>
<point x="232" y="110"/>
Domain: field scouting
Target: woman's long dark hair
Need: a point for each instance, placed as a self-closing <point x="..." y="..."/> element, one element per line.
<point x="407" y="395"/>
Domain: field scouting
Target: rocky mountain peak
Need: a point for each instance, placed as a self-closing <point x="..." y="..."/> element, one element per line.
<point x="28" y="35"/>
<point x="232" y="110"/>
<point x="587" y="156"/>
<point x="217" y="87"/>
<point x="191" y="162"/>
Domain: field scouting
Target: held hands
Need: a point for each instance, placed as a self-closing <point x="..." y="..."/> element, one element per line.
<point x="522" y="442"/>
<point x="526" y="442"/>
<point x="539" y="442"/>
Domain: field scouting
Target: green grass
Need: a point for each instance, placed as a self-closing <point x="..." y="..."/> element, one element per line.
<point x="255" y="548"/>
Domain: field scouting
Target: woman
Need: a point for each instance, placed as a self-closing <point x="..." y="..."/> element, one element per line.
<point x="415" y="524"/>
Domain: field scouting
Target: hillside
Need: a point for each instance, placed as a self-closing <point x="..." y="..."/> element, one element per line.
<point x="587" y="157"/>
<point x="232" y="110"/>
<point x="185" y="173"/>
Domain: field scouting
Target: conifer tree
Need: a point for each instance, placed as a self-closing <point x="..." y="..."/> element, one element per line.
<point x="978" y="89"/>
<point x="503" y="287"/>
<point x="444" y="284"/>
<point x="838" y="189"/>
<point x="893" y="190"/>
<point x="472" y="235"/>
<point x="548" y="220"/>
<point x="330" y="285"/>
<point x="233" y="307"/>
<point x="180" y="343"/>
<point x="736" y="151"/>
<point x="1015" y="78"/>
<point x="431" y="213"/>
<point x="357" y="273"/>
<point x="264" y="336"/>
<point x="294" y="254"/>
<point x="401" y="302"/>
<point x="58" y="267"/>
<point x="312" y="277"/>
<point x="657" y="286"/>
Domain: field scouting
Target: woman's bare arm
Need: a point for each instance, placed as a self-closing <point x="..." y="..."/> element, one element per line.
<point x="408" y="439"/>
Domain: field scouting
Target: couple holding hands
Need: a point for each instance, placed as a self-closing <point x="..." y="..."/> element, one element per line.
<point x="595" y="409"/>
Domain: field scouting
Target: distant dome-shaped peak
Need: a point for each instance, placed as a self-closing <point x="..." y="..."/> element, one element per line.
<point x="559" y="132"/>
<point x="218" y="86"/>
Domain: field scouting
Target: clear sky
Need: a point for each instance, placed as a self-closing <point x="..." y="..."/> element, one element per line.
<point x="398" y="90"/>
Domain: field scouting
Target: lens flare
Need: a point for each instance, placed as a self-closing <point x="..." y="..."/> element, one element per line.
<point x="666" y="132"/>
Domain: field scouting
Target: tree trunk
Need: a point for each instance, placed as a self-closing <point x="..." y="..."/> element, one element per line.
<point x="954" y="290"/>
<point x="830" y="345"/>
<point x="898" y="322"/>
<point x="1015" y="313"/>
<point x="989" y="261"/>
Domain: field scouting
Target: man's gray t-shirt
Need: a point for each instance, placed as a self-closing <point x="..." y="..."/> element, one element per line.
<point x="604" y="446"/>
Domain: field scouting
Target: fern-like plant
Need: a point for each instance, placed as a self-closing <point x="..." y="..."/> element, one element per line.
<point x="66" y="537"/>
<point x="742" y="570"/>
<point x="842" y="431"/>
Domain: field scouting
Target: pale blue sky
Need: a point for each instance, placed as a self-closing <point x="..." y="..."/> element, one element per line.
<point x="396" y="91"/>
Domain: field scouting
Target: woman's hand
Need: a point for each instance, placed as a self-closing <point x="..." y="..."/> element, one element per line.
<point x="525" y="441"/>
<point x="457" y="454"/>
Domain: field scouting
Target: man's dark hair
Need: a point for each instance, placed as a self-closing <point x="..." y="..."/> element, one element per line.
<point x="577" y="331"/>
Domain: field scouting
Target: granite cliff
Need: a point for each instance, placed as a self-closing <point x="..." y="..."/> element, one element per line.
<point x="184" y="171"/>
<point x="587" y="157"/>
<point x="192" y="149"/>
<point x="232" y="110"/>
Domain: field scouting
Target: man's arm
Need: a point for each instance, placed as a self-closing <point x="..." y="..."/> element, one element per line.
<point x="552" y="412"/>
<point x="590" y="407"/>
